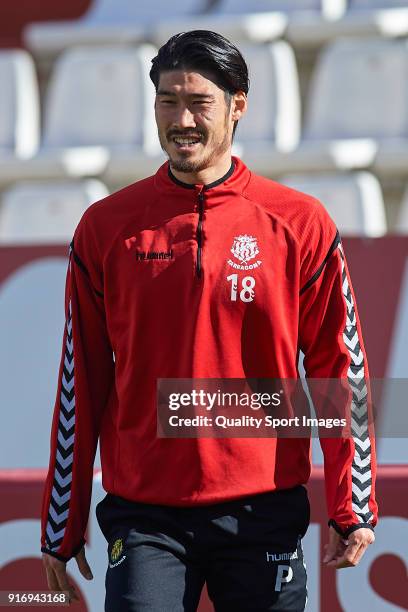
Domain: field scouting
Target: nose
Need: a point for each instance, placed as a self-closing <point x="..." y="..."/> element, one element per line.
<point x="184" y="118"/>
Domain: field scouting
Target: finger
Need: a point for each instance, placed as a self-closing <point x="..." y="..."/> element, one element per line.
<point x="332" y="548"/>
<point x="83" y="565"/>
<point x="329" y="556"/>
<point x="342" y="546"/>
<point x="360" y="553"/>
<point x="352" y="549"/>
<point x="338" y="554"/>
<point x="333" y="562"/>
<point x="65" y="585"/>
<point x="347" y="560"/>
<point x="51" y="579"/>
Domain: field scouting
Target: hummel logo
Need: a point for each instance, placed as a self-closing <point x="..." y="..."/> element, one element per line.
<point x="146" y="255"/>
<point x="286" y="556"/>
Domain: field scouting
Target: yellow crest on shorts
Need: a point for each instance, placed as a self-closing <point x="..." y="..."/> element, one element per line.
<point x="117" y="549"/>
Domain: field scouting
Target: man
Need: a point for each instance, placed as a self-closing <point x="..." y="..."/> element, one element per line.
<point x="158" y="287"/>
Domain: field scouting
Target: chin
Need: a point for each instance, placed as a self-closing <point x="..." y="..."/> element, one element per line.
<point x="186" y="165"/>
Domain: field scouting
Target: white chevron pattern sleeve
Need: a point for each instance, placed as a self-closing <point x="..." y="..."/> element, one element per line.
<point x="84" y="386"/>
<point x="331" y="339"/>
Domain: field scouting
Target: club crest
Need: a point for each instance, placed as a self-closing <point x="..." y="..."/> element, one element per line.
<point x="245" y="248"/>
<point x="116" y="556"/>
<point x="117" y="549"/>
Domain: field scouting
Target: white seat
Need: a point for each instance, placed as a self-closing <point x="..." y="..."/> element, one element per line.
<point x="401" y="226"/>
<point x="359" y="91"/>
<point x="382" y="17"/>
<point x="256" y="21"/>
<point x="19" y="111"/>
<point x="272" y="122"/>
<point x="369" y="5"/>
<point x="354" y="201"/>
<point x="102" y="97"/>
<point x="106" y="22"/>
<point x="48" y="212"/>
<point x="99" y="109"/>
<point x="356" y="109"/>
<point x="363" y="18"/>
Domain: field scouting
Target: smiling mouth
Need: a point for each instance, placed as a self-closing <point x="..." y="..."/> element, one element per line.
<point x="186" y="143"/>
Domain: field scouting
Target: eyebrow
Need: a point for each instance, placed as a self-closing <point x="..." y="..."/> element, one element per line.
<point x="164" y="92"/>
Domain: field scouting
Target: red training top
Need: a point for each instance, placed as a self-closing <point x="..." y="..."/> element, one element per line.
<point x="148" y="296"/>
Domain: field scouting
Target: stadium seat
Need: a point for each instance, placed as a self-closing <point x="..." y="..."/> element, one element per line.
<point x="273" y="116"/>
<point x="356" y="109"/>
<point x="19" y="105"/>
<point x="401" y="226"/>
<point x="106" y="22"/>
<point x="272" y="122"/>
<point x="371" y="5"/>
<point x="99" y="108"/>
<point x="38" y="213"/>
<point x="363" y="18"/>
<point x="102" y="97"/>
<point x="256" y="21"/>
<point x="354" y="201"/>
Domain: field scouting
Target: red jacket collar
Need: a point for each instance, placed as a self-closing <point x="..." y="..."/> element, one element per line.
<point x="231" y="184"/>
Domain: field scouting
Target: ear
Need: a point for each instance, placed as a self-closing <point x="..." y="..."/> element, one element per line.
<point x="239" y="105"/>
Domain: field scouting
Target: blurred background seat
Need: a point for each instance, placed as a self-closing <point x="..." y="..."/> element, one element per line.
<point x="45" y="212"/>
<point x="356" y="110"/>
<point x="19" y="105"/>
<point x="107" y="22"/>
<point x="99" y="108"/>
<point x="354" y="201"/>
<point x="372" y="6"/>
<point x="362" y="18"/>
<point x="272" y="122"/>
<point x="100" y="105"/>
<point x="256" y="21"/>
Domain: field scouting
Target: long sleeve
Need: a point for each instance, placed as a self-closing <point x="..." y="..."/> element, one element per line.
<point x="331" y="340"/>
<point x="84" y="384"/>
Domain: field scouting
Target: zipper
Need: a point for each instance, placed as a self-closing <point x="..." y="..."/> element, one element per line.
<point x="200" y="233"/>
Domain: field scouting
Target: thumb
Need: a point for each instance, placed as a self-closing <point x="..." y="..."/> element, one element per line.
<point x="83" y="565"/>
<point x="331" y="547"/>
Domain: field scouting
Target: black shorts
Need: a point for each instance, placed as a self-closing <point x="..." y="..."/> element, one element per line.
<point x="247" y="551"/>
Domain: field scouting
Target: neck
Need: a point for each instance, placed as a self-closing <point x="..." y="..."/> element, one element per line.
<point x="207" y="175"/>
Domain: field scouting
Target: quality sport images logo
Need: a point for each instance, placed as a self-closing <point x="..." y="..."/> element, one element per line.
<point x="244" y="248"/>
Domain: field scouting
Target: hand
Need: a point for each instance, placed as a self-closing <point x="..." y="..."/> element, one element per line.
<point x="57" y="574"/>
<point x="341" y="553"/>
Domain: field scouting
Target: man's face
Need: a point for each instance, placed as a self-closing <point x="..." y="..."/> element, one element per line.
<point x="193" y="118"/>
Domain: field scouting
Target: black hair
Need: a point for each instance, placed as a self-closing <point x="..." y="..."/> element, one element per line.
<point x="205" y="50"/>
